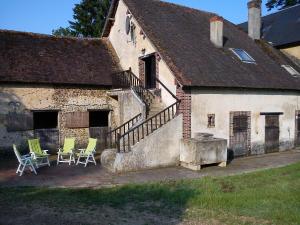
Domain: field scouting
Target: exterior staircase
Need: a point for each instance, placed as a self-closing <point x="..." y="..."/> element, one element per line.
<point x="155" y="108"/>
<point x="125" y="137"/>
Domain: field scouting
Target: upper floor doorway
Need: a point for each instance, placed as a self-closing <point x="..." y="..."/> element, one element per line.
<point x="148" y="71"/>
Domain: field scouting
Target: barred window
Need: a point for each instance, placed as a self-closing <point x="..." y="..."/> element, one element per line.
<point x="211" y="120"/>
<point x="240" y="123"/>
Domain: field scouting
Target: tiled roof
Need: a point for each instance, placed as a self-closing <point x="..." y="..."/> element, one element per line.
<point x="36" y="58"/>
<point x="182" y="37"/>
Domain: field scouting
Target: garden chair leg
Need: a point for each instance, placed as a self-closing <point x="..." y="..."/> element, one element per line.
<point x="18" y="168"/>
<point x="23" y="168"/>
<point x="70" y="159"/>
<point x="78" y="160"/>
<point x="87" y="160"/>
<point x="94" y="160"/>
<point x="32" y="167"/>
<point x="21" y="171"/>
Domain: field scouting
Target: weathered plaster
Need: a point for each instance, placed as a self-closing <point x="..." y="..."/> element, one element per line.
<point x="195" y="152"/>
<point x="130" y="105"/>
<point x="222" y="102"/>
<point x="64" y="99"/>
<point x="129" y="52"/>
<point x="159" y="149"/>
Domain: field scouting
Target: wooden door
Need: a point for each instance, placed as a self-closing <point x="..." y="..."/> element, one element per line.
<point x="297" y="136"/>
<point x="240" y="133"/>
<point x="272" y="133"/>
<point x="150" y="72"/>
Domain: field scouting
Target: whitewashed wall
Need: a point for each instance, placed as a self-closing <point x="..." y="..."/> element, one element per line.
<point x="129" y="52"/>
<point x="222" y="102"/>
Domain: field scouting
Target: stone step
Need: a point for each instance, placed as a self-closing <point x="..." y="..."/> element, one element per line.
<point x="156" y="109"/>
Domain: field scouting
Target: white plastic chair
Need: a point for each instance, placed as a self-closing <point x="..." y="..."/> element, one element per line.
<point x="40" y="156"/>
<point x="88" y="153"/>
<point x="67" y="151"/>
<point x="24" y="161"/>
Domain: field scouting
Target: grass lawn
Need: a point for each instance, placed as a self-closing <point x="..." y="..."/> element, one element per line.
<point x="265" y="197"/>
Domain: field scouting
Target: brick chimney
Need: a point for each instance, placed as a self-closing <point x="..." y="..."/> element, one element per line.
<point x="216" y="31"/>
<point x="254" y="19"/>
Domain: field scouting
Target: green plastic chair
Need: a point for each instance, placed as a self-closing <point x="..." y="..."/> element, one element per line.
<point x="88" y="153"/>
<point x="24" y="161"/>
<point x="40" y="156"/>
<point x="67" y="151"/>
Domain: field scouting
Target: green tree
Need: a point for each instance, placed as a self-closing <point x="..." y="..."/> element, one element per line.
<point x="61" y="31"/>
<point x="89" y="18"/>
<point x="281" y="4"/>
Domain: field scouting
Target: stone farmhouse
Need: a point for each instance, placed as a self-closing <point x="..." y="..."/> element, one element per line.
<point x="160" y="74"/>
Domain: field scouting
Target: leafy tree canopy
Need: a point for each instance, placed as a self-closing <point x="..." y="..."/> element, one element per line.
<point x="89" y="18"/>
<point x="281" y="4"/>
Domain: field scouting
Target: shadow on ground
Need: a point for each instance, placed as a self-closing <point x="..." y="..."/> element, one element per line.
<point x="130" y="204"/>
<point x="167" y="201"/>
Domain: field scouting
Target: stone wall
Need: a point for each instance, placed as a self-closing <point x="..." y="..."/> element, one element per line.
<point x="26" y="98"/>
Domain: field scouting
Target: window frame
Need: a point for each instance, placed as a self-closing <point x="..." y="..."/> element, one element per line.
<point x="251" y="61"/>
<point x="290" y="69"/>
<point x="211" y="123"/>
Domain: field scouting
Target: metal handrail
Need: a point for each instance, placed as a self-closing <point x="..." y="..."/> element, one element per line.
<point x="128" y="79"/>
<point x="123" y="136"/>
<point x="154" y="122"/>
<point x="167" y="89"/>
<point x="122" y="129"/>
<point x="127" y="123"/>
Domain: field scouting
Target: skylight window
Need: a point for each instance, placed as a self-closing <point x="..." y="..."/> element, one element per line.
<point x="291" y="70"/>
<point x="242" y="55"/>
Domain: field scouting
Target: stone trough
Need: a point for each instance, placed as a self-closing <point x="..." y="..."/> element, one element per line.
<point x="201" y="150"/>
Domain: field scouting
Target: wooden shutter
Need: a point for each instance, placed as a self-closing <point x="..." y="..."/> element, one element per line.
<point x="77" y="119"/>
<point x="19" y="121"/>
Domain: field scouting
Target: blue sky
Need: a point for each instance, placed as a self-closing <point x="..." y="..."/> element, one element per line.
<point x="41" y="16"/>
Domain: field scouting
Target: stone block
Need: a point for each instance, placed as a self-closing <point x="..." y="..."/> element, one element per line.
<point x="203" y="150"/>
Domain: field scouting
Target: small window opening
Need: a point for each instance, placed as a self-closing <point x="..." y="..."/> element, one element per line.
<point x="211" y="120"/>
<point x="98" y="118"/>
<point x="45" y="120"/>
<point x="243" y="55"/>
<point x="291" y="70"/>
